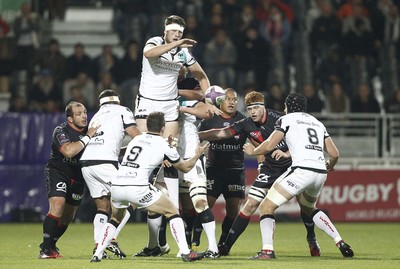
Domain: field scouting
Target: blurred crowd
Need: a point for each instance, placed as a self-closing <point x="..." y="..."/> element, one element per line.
<point x="238" y="41"/>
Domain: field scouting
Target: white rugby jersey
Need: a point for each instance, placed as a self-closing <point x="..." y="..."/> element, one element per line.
<point x="160" y="74"/>
<point x="106" y="143"/>
<point x="188" y="135"/>
<point x="144" y="153"/>
<point x="305" y="136"/>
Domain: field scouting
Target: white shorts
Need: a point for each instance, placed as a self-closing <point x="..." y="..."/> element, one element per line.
<point x="196" y="174"/>
<point x="140" y="196"/>
<point x="98" y="178"/>
<point x="188" y="140"/>
<point x="144" y="106"/>
<point x="302" y="180"/>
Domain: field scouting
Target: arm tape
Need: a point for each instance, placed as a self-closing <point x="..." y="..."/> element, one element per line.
<point x="85" y="140"/>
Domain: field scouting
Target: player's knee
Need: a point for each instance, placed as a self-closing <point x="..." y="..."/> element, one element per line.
<point x="198" y="194"/>
<point x="306" y="205"/>
<point x="257" y="194"/>
<point x="251" y="206"/>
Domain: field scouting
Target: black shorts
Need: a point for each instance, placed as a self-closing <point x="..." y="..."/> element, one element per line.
<point x="267" y="176"/>
<point x="58" y="184"/>
<point x="231" y="183"/>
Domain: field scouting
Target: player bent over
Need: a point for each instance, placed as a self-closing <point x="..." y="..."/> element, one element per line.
<point x="131" y="187"/>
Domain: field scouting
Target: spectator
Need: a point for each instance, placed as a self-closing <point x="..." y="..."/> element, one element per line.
<point x="263" y="9"/>
<point x="325" y="32"/>
<point x="18" y="104"/>
<point x="337" y="101"/>
<point x="53" y="59"/>
<point x="4" y="28"/>
<point x="220" y="58"/>
<point x="196" y="32"/>
<point x="56" y="9"/>
<point x="247" y="18"/>
<point x="276" y="98"/>
<point x="276" y="28"/>
<point x="128" y="73"/>
<point x="364" y="101"/>
<point x="392" y="104"/>
<point x="107" y="61"/>
<point x="76" y="95"/>
<point x="346" y="10"/>
<point x="106" y="82"/>
<point x="45" y="95"/>
<point x="7" y="56"/>
<point x="131" y="20"/>
<point x="252" y="65"/>
<point x="78" y="62"/>
<point x="27" y="30"/>
<point x="332" y="69"/>
<point x="315" y="103"/>
<point x="190" y="8"/>
<point x="87" y="86"/>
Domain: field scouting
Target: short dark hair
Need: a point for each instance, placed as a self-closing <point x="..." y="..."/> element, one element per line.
<point x="109" y="93"/>
<point x="296" y="102"/>
<point x="175" y="19"/>
<point x="68" y="108"/>
<point x="155" y="121"/>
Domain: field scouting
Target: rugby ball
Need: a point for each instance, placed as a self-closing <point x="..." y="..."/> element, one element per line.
<point x="215" y="95"/>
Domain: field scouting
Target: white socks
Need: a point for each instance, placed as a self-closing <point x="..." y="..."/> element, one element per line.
<point x="178" y="232"/>
<point x="267" y="227"/>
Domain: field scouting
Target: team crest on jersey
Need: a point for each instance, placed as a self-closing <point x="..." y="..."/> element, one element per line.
<point x="257" y="136"/>
<point x="62" y="138"/>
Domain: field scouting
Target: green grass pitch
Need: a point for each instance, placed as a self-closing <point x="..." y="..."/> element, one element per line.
<point x="375" y="245"/>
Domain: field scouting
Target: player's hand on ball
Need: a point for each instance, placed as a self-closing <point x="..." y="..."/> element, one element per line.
<point x="213" y="110"/>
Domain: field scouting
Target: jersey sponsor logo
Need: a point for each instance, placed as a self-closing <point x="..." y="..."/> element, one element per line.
<point x="61" y="186"/>
<point x="292" y="184"/>
<point x="129" y="175"/>
<point x="169" y="66"/>
<point x="235" y="188"/>
<point x="77" y="197"/>
<point x="313" y="147"/>
<point x="62" y="138"/>
<point x="147" y="198"/>
<point x="97" y="141"/>
<point x="225" y="147"/>
<point x="130" y="164"/>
